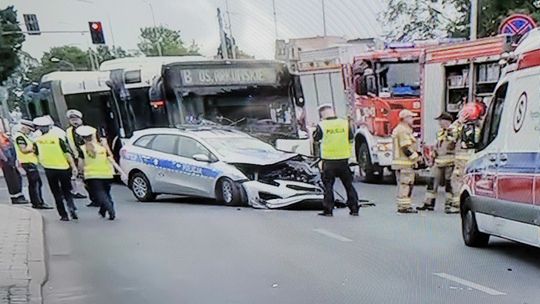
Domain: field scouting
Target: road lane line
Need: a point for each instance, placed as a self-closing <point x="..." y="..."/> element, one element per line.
<point x="332" y="235"/>
<point x="470" y="284"/>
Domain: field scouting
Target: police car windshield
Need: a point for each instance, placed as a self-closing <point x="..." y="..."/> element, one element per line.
<point x="234" y="145"/>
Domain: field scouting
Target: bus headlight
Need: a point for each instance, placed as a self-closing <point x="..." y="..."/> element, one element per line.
<point x="384" y="147"/>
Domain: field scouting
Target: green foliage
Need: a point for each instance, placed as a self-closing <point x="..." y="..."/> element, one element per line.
<point x="67" y="54"/>
<point x="170" y="42"/>
<point x="491" y="14"/>
<point x="11" y="41"/>
<point x="104" y="53"/>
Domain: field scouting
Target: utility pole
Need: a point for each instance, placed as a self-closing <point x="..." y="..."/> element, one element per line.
<point x="275" y="18"/>
<point x="160" y="53"/>
<point x="474" y="19"/>
<point x="324" y="17"/>
<point x="233" y="43"/>
<point x="224" y="51"/>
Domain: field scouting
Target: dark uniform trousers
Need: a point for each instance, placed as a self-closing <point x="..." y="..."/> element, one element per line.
<point x="34" y="183"/>
<point x="333" y="169"/>
<point x="13" y="178"/>
<point x="101" y="189"/>
<point x="60" y="184"/>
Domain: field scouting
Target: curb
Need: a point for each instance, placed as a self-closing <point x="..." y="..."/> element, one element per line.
<point x="36" y="256"/>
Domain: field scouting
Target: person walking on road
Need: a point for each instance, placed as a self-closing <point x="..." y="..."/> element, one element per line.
<point x="405" y="159"/>
<point x="12" y="176"/>
<point x="24" y="147"/>
<point x="53" y="154"/>
<point x="335" y="136"/>
<point x="98" y="167"/>
<point x="443" y="166"/>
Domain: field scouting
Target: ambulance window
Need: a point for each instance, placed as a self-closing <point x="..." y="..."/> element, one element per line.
<point x="493" y="117"/>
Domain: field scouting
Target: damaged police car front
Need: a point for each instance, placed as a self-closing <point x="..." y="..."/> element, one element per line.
<point x="219" y="163"/>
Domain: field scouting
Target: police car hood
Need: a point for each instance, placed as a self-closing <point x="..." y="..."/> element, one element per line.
<point x="257" y="157"/>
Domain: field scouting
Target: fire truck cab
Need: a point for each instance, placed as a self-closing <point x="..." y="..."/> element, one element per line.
<point x="385" y="82"/>
<point x="501" y="195"/>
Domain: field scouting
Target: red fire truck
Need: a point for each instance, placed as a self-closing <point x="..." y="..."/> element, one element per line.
<point x="385" y="82"/>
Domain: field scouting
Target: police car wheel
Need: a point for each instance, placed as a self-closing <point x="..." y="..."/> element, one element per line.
<point x="141" y="188"/>
<point x="229" y="192"/>
<point x="471" y="235"/>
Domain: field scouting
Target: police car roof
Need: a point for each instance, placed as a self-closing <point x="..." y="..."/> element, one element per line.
<point x="195" y="131"/>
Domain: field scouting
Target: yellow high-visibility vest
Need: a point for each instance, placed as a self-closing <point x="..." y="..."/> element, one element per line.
<point x="50" y="153"/>
<point x="99" y="166"/>
<point x="25" y="158"/>
<point x="335" y="141"/>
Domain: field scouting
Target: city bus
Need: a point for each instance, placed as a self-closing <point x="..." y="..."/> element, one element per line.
<point x="258" y="96"/>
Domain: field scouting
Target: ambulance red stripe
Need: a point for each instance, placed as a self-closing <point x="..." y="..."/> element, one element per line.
<point x="529" y="60"/>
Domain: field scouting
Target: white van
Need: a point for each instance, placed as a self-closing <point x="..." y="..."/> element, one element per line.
<point x="501" y="195"/>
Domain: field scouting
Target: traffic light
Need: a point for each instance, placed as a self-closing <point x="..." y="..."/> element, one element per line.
<point x="96" y="32"/>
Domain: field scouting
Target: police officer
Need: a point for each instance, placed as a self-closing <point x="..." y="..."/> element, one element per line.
<point x="98" y="170"/>
<point x="54" y="155"/>
<point x="28" y="160"/>
<point x="75" y="141"/>
<point x="405" y="159"/>
<point x="335" y="136"/>
<point x="443" y="166"/>
<point x="8" y="163"/>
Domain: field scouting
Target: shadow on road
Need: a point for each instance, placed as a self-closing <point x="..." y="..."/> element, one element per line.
<point x="517" y="251"/>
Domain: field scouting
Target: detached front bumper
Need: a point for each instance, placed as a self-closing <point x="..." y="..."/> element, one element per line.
<point x="283" y="194"/>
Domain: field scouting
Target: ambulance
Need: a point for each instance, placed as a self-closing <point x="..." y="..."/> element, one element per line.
<point x="501" y="192"/>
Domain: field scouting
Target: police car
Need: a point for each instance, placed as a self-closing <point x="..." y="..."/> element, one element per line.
<point x="217" y="163"/>
<point x="501" y="195"/>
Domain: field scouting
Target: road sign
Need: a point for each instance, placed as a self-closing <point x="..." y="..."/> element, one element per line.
<point x="517" y="24"/>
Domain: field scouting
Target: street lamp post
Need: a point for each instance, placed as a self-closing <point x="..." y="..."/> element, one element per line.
<point x="61" y="61"/>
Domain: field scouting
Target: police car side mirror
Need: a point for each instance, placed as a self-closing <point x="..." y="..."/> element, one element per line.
<point x="202" y="158"/>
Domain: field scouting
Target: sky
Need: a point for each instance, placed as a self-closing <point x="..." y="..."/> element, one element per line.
<point x="252" y="21"/>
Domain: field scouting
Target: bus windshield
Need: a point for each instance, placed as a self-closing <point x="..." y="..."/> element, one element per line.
<point x="399" y="79"/>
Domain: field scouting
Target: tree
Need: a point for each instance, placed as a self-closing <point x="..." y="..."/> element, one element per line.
<point x="104" y="53"/>
<point x="66" y="55"/>
<point x="491" y="14"/>
<point x="154" y="39"/>
<point x="10" y="42"/>
<point x="407" y="20"/>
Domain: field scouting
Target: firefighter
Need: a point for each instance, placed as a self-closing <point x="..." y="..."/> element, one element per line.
<point x="335" y="136"/>
<point x="443" y="166"/>
<point x="98" y="167"/>
<point x="8" y="163"/>
<point x="28" y="160"/>
<point x="55" y="157"/>
<point x="467" y="128"/>
<point x="405" y="160"/>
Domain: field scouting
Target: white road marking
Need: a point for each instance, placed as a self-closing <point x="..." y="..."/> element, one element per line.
<point x="332" y="235"/>
<point x="470" y="284"/>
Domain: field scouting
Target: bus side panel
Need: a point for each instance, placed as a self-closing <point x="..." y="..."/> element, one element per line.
<point x="433" y="100"/>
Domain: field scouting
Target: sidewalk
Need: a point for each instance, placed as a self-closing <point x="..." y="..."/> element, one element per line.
<point x="22" y="258"/>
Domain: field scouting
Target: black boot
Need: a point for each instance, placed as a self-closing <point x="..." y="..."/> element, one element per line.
<point x="74" y="215"/>
<point x="78" y="195"/>
<point x="410" y="210"/>
<point x="19" y="200"/>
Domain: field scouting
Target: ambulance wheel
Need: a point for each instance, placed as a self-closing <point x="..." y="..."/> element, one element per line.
<point x="366" y="168"/>
<point x="229" y="192"/>
<point x="141" y="188"/>
<point x="469" y="227"/>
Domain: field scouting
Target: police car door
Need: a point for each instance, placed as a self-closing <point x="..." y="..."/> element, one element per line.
<point x="162" y="164"/>
<point x="197" y="177"/>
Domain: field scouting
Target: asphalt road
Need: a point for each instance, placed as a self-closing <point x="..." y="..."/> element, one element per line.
<point x="193" y="251"/>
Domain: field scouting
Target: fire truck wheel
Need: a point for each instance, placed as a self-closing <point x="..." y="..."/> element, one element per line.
<point x="367" y="169"/>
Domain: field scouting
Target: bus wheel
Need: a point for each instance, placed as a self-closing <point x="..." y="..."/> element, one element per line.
<point x="366" y="168"/>
<point x="141" y="188"/>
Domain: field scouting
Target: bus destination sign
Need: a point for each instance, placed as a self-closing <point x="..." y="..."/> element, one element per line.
<point x="229" y="76"/>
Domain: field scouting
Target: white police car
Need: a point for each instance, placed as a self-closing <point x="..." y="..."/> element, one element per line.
<point x="218" y="163"/>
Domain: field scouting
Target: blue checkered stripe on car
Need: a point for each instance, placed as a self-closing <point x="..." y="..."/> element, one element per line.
<point x="174" y="166"/>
